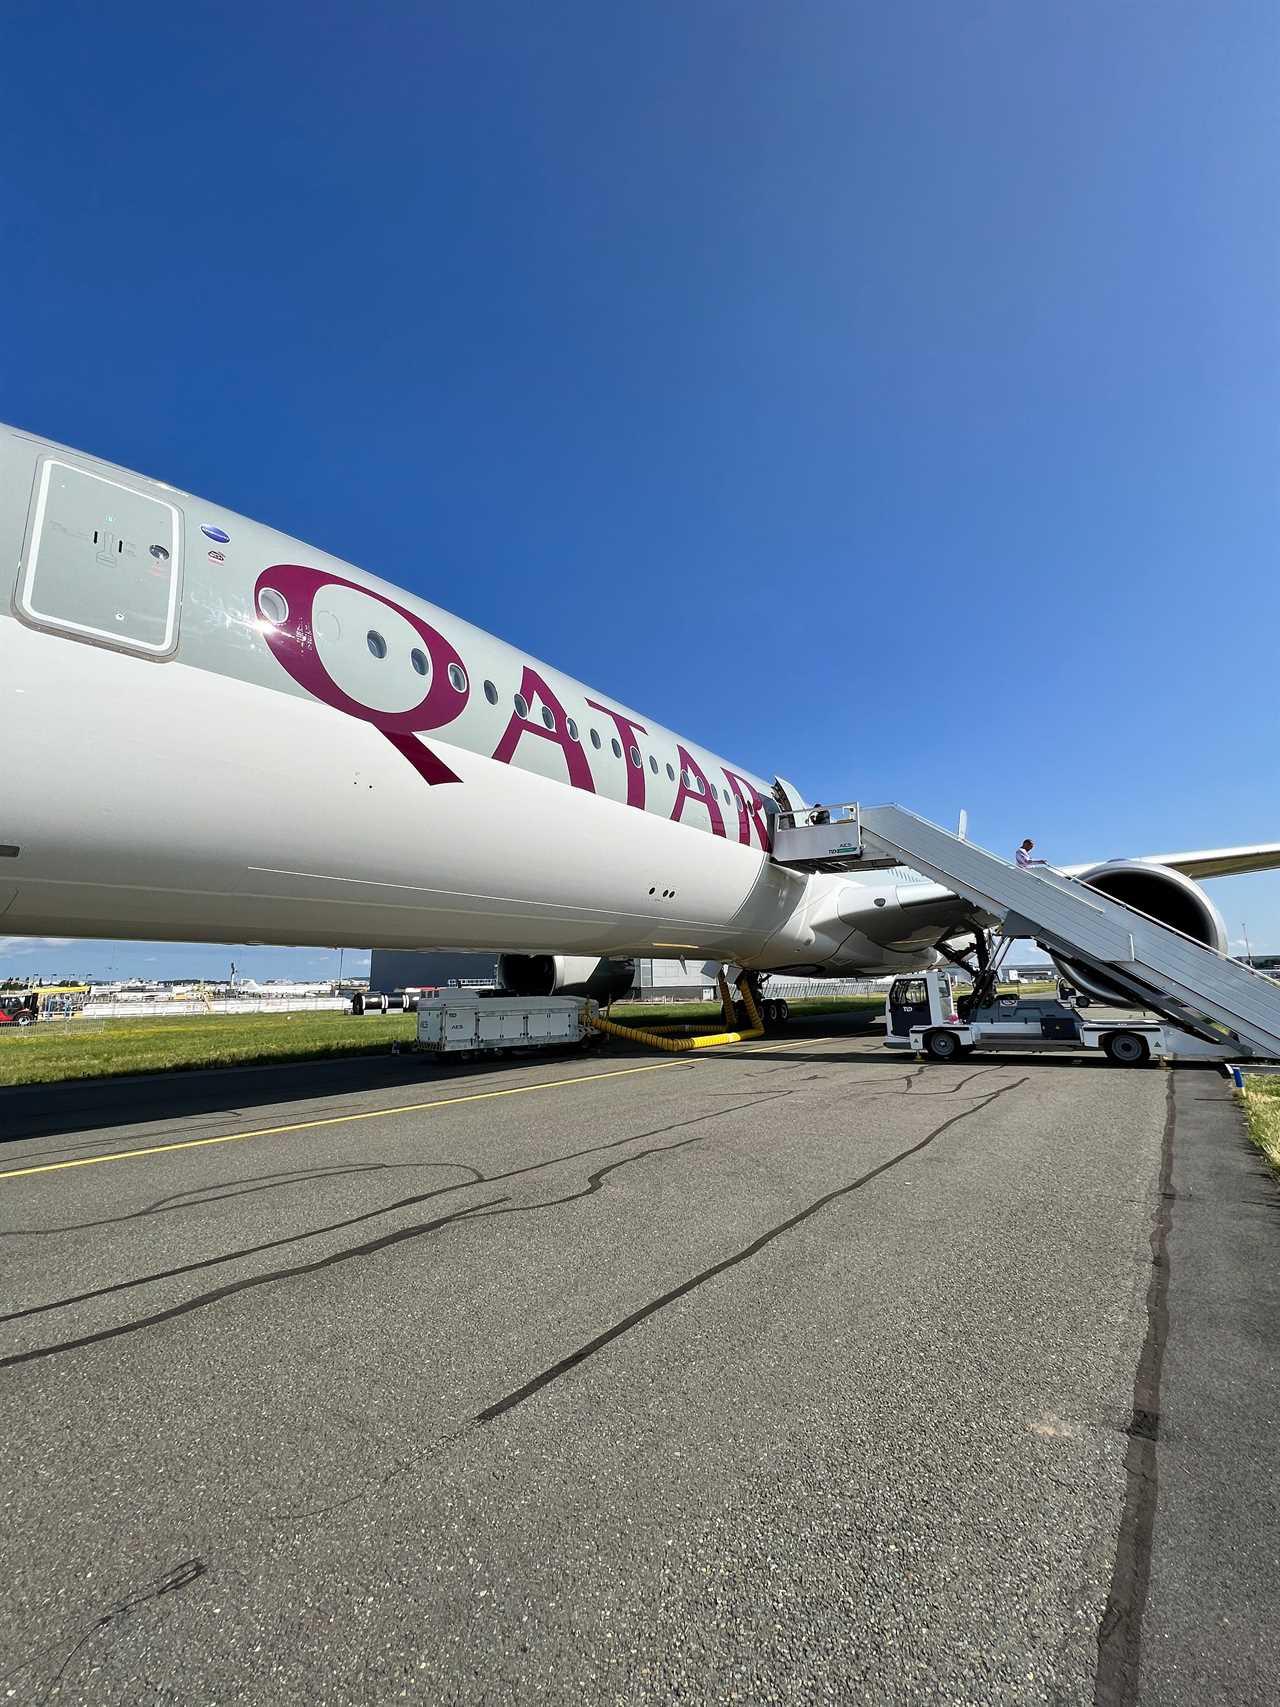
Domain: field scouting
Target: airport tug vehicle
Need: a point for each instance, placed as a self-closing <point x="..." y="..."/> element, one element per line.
<point x="925" y="1014"/>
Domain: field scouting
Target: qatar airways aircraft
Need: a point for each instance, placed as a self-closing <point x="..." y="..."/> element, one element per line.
<point x="214" y="732"/>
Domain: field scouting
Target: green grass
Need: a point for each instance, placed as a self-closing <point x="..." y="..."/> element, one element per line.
<point x="1261" y="1099"/>
<point x="94" y="1049"/>
<point x="91" y="1049"/>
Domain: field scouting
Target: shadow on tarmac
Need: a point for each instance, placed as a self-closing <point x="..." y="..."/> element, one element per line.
<point x="219" y="1093"/>
<point x="84" y="1105"/>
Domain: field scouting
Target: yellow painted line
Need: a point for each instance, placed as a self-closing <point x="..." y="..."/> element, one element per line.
<point x="368" y="1114"/>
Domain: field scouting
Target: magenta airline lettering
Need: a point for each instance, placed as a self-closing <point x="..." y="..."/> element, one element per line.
<point x="689" y="766"/>
<point x="292" y="641"/>
<point x="627" y="732"/>
<point x="532" y="690"/>
<point x="750" y="809"/>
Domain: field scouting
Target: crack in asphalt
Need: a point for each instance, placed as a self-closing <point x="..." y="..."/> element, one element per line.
<point x="574" y="1359"/>
<point x="224" y="1191"/>
<point x="182" y="1574"/>
<point x="351" y="1253"/>
<point x="500" y="1407"/>
<point x="1120" y="1629"/>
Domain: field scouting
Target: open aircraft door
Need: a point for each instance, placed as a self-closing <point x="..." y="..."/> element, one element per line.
<point x="788" y="796"/>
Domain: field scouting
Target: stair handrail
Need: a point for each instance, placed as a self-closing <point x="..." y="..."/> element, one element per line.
<point x="1086" y="893"/>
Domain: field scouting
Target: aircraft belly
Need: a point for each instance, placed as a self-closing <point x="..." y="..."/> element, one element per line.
<point x="205" y="807"/>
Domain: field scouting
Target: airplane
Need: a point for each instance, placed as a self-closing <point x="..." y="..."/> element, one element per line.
<point x="217" y="733"/>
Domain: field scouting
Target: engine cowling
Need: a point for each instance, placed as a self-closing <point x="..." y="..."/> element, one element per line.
<point x="1161" y="893"/>
<point x="565" y="975"/>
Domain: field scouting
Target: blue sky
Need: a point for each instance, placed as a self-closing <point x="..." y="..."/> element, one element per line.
<point x="886" y="395"/>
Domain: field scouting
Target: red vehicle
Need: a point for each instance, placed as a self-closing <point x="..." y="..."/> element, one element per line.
<point x="17" y="1010"/>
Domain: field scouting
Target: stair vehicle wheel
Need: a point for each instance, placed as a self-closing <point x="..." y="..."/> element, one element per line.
<point x="1127" y="1049"/>
<point x="769" y="1013"/>
<point x="784" y="1010"/>
<point x="943" y="1046"/>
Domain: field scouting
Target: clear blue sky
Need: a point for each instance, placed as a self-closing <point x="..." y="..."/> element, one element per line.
<point x="884" y="394"/>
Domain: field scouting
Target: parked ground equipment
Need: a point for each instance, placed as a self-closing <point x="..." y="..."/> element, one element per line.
<point x="925" y="1014"/>
<point x="464" y="1024"/>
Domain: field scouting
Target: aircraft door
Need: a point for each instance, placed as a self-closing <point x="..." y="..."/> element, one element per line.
<point x="787" y="795"/>
<point x="101" y="561"/>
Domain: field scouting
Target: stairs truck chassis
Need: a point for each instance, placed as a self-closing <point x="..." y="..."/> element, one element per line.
<point x="922" y="1014"/>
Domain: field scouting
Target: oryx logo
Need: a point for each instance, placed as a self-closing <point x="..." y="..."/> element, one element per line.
<point x="363" y="654"/>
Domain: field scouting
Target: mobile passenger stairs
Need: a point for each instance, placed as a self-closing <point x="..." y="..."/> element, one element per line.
<point x="1196" y="990"/>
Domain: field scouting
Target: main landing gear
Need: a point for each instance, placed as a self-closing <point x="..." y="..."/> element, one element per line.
<point x="773" y="1011"/>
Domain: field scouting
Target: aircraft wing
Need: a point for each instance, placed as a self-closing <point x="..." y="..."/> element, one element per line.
<point x="1210" y="862"/>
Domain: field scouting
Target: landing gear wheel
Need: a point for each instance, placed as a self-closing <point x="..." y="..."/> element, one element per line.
<point x="943" y="1046"/>
<point x="1126" y="1049"/>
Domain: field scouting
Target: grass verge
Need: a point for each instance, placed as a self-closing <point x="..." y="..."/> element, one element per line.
<point x="93" y="1049"/>
<point x="1261" y="1099"/>
<point x="57" y="1050"/>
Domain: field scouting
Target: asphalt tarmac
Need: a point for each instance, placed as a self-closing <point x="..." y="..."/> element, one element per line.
<point x="795" y="1373"/>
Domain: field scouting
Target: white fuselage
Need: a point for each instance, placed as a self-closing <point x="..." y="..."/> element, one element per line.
<point x="214" y="732"/>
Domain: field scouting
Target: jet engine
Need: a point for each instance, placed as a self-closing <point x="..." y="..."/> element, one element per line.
<point x="1164" y="895"/>
<point x="565" y="975"/>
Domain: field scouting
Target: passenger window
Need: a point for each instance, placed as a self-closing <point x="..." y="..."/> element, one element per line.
<point x="458" y="676"/>
<point x="274" y="606"/>
<point x="671" y="775"/>
<point x="418" y="659"/>
<point x="653" y="764"/>
<point x="635" y="757"/>
<point x="377" y="645"/>
<point x="548" y="717"/>
<point x="522" y="707"/>
<point x="595" y="739"/>
<point x="617" y="747"/>
<point x="491" y="693"/>
<point x="572" y="727"/>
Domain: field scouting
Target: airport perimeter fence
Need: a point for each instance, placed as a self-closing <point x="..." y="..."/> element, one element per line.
<point x="189" y="1006"/>
<point x="820" y="989"/>
<point x="775" y="989"/>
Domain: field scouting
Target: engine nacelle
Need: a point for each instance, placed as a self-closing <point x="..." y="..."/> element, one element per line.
<point x="565" y="975"/>
<point x="1162" y="894"/>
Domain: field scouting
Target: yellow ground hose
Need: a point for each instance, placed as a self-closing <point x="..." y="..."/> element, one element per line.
<point x="682" y="1045"/>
